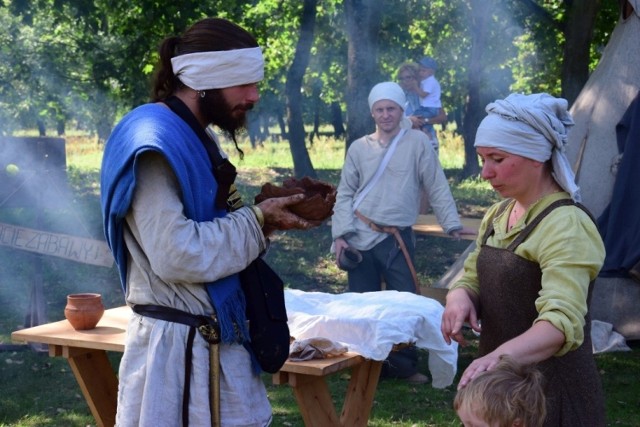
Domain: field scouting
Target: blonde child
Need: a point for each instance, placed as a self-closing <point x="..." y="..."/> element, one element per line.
<point x="508" y="395"/>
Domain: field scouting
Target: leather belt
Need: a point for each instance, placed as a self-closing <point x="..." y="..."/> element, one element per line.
<point x="396" y="233"/>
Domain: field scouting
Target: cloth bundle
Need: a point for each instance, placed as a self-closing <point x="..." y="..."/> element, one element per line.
<point x="315" y="348"/>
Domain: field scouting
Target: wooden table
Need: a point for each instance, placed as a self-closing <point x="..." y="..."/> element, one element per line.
<point x="428" y="224"/>
<point x="86" y="352"/>
<point x="308" y="380"/>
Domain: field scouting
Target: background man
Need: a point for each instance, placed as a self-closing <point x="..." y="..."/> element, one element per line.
<point x="388" y="196"/>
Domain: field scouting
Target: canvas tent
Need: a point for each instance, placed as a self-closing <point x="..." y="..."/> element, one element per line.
<point x="593" y="151"/>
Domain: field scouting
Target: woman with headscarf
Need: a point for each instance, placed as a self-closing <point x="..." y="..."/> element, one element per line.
<point x="409" y="79"/>
<point x="526" y="286"/>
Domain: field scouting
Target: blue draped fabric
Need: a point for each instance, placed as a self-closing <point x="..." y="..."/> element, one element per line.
<point x="153" y="127"/>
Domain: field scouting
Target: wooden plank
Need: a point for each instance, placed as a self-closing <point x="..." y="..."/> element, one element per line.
<point x="322" y="367"/>
<point x="79" y="249"/>
<point x="437" y="294"/>
<point x="454" y="272"/>
<point x="428" y="224"/>
<point x="108" y="335"/>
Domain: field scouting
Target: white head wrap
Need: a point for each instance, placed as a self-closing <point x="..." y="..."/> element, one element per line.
<point x="219" y="69"/>
<point x="387" y="90"/>
<point x="532" y="126"/>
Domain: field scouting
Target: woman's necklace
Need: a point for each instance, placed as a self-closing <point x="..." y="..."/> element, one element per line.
<point x="518" y="209"/>
<point x="515" y="215"/>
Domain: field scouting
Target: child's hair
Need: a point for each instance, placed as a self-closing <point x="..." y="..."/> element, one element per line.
<point x="507" y="393"/>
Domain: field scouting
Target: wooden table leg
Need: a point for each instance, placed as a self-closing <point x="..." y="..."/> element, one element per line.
<point x="97" y="380"/>
<point x="314" y="400"/>
<point x="362" y="389"/>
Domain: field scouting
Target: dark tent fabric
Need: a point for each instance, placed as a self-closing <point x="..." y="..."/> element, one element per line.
<point x="619" y="224"/>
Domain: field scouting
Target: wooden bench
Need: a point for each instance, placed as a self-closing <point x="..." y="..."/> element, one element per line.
<point x="310" y="388"/>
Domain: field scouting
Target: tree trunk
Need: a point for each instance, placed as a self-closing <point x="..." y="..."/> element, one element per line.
<point x="301" y="161"/>
<point x="60" y="126"/>
<point x="315" y="99"/>
<point x="474" y="108"/>
<point x="578" y="33"/>
<point x="42" y="129"/>
<point x="363" y="18"/>
<point x="336" y="120"/>
<point x="281" y="124"/>
<point x="253" y="128"/>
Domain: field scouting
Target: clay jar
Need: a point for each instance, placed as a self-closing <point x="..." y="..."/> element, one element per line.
<point x="84" y="311"/>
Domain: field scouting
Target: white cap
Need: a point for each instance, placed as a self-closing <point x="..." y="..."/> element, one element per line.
<point x="387" y="90"/>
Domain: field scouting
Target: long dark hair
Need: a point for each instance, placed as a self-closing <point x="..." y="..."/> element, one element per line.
<point x="209" y="34"/>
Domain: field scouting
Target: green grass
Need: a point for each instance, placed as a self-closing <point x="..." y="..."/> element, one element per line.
<point x="41" y="391"/>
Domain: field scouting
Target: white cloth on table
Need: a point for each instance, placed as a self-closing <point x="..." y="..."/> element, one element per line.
<point x="372" y="323"/>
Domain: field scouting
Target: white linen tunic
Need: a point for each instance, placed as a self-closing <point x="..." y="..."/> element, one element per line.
<point x="170" y="257"/>
<point x="395" y="198"/>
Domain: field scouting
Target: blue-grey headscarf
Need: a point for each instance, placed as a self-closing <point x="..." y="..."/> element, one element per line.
<point x="532" y="126"/>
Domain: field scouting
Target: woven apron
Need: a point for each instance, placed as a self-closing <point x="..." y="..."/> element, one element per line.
<point x="507" y="309"/>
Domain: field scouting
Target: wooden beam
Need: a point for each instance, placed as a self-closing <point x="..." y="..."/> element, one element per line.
<point x="428" y="224"/>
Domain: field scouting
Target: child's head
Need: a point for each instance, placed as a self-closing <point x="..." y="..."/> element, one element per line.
<point x="508" y="395"/>
<point x="428" y="67"/>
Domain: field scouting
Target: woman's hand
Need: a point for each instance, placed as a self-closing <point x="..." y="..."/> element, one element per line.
<point x="457" y="234"/>
<point x="478" y="366"/>
<point x="460" y="308"/>
<point x="540" y="342"/>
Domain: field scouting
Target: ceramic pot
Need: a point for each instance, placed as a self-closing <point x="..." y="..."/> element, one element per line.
<point x="84" y="311"/>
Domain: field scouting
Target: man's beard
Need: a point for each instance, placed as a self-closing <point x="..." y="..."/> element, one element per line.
<point x="216" y="110"/>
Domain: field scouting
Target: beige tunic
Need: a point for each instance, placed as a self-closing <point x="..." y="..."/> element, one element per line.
<point x="395" y="198"/>
<point x="170" y="257"/>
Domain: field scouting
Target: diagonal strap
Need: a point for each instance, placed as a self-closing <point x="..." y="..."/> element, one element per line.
<point x="396" y="233"/>
<point x="378" y="174"/>
<point x="223" y="170"/>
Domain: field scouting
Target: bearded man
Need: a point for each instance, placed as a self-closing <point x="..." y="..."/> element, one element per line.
<point x="179" y="236"/>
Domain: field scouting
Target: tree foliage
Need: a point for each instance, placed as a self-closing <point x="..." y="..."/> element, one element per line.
<point x="86" y="62"/>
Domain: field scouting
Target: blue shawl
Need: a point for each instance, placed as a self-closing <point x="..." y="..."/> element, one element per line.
<point x="154" y="127"/>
